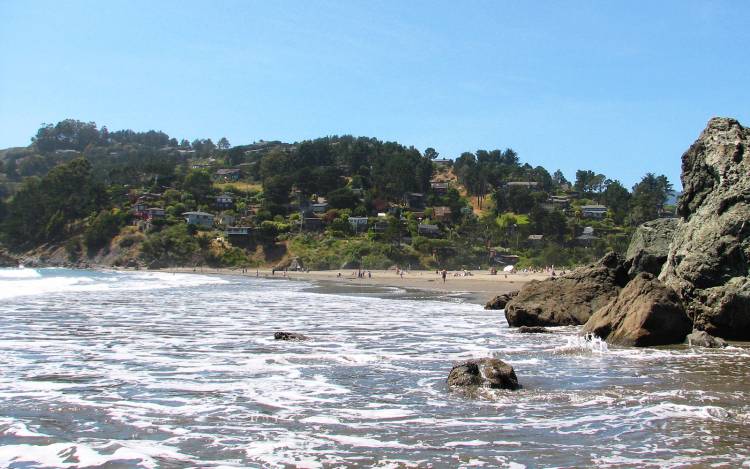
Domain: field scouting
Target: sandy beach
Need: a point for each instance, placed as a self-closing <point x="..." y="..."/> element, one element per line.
<point x="479" y="287"/>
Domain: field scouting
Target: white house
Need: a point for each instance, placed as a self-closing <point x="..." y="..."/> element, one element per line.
<point x="358" y="223"/>
<point x="199" y="219"/>
<point x="593" y="211"/>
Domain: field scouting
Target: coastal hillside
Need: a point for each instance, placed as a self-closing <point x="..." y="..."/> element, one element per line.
<point x="80" y="193"/>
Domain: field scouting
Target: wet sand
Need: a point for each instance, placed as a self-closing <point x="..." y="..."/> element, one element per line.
<point x="479" y="287"/>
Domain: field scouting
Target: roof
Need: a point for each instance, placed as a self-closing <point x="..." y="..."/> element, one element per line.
<point x="198" y="213"/>
<point x="522" y="183"/>
<point x="428" y="227"/>
<point x="588" y="230"/>
<point x="227" y="171"/>
<point x="593" y="207"/>
<point x="442" y="211"/>
<point x="439" y="185"/>
<point x="536" y="237"/>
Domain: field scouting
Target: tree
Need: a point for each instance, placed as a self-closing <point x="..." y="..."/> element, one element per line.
<point x="649" y="196"/>
<point x="343" y="198"/>
<point x="617" y="199"/>
<point x="198" y="184"/>
<point x="41" y="210"/>
<point x="223" y="144"/>
<point x="431" y="154"/>
<point x="559" y="178"/>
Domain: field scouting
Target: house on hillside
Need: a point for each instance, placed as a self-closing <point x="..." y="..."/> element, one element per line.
<point x="524" y="184"/>
<point x="442" y="214"/>
<point x="227" y="175"/>
<point x="414" y="201"/>
<point x="227" y="219"/>
<point x="359" y="224"/>
<point x="320" y="207"/>
<point x="430" y="231"/>
<point x="587" y="237"/>
<point x="594" y="211"/>
<point x="140" y="210"/>
<point x="203" y="219"/>
<point x="224" y="202"/>
<point x="443" y="162"/>
<point x="535" y="239"/>
<point x="439" y="188"/>
<point x="238" y="231"/>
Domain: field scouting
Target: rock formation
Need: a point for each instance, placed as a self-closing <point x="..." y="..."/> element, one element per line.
<point x="704" y="339"/>
<point x="289" y="336"/>
<point x="708" y="263"/>
<point x="488" y="372"/>
<point x="645" y="313"/>
<point x="649" y="246"/>
<point x="533" y="330"/>
<point x="500" y="301"/>
<point x="569" y="299"/>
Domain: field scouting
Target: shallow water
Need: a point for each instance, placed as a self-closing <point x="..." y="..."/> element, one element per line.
<point x="109" y="369"/>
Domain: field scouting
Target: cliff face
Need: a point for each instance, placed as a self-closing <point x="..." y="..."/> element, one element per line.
<point x="708" y="260"/>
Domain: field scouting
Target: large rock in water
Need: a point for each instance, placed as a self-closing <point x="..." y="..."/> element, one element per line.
<point x="569" y="299"/>
<point x="500" y="301"/>
<point x="645" y="313"/>
<point x="704" y="339"/>
<point x="649" y="246"/>
<point x="709" y="259"/>
<point x="490" y="372"/>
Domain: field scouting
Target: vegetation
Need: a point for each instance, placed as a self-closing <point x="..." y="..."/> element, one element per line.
<point x="332" y="202"/>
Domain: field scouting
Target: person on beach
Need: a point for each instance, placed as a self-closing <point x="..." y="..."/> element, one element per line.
<point x="444" y="274"/>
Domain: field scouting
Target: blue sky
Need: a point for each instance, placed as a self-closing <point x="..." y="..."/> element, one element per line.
<point x="621" y="88"/>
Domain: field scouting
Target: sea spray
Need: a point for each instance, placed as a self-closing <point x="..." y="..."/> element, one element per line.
<point x="587" y="344"/>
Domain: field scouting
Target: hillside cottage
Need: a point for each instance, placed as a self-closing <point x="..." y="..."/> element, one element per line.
<point x="525" y="184"/>
<point x="593" y="211"/>
<point x="442" y="214"/>
<point x="358" y="223"/>
<point x="154" y="213"/>
<point x="320" y="208"/>
<point x="414" y="201"/>
<point x="224" y="202"/>
<point x="439" y="188"/>
<point x="203" y="219"/>
<point x="430" y="231"/>
<point x="228" y="174"/>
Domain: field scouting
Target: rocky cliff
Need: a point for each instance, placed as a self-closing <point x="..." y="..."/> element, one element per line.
<point x="707" y="264"/>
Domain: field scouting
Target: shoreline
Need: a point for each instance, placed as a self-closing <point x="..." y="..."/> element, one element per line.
<point x="478" y="288"/>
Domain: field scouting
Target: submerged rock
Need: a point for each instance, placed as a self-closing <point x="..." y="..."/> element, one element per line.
<point x="488" y="372"/>
<point x="570" y="299"/>
<point x="649" y="246"/>
<point x="534" y="330"/>
<point x="704" y="339"/>
<point x="289" y="336"/>
<point x="709" y="259"/>
<point x="500" y="301"/>
<point x="645" y="313"/>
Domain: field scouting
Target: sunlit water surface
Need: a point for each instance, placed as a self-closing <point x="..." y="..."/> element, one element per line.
<point x="111" y="369"/>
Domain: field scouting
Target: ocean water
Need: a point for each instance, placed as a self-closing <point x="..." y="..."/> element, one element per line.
<point x="140" y="369"/>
